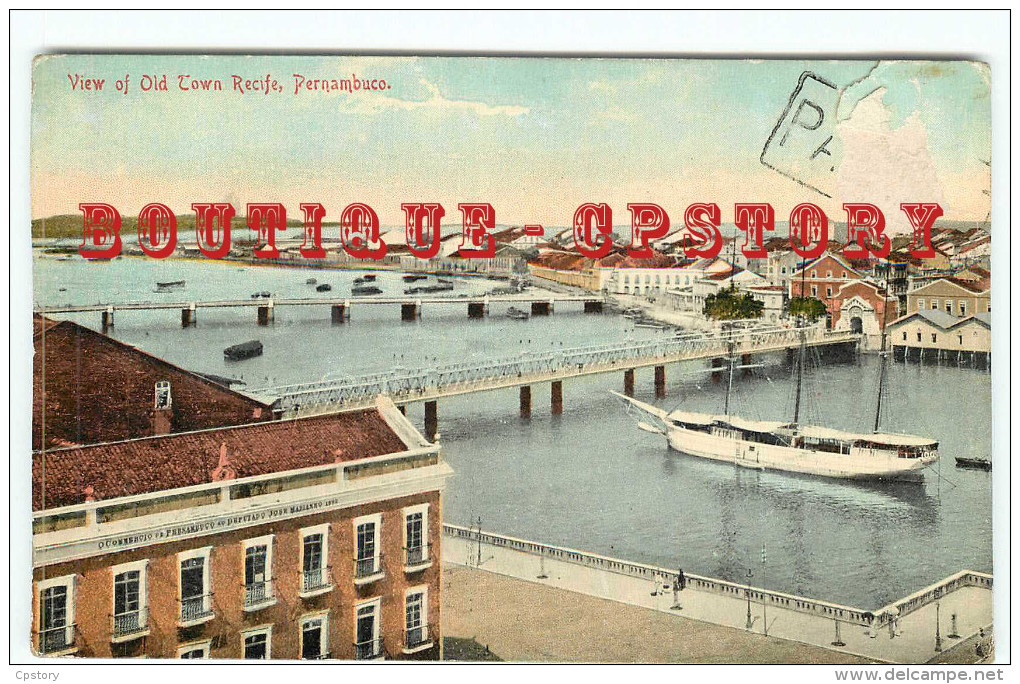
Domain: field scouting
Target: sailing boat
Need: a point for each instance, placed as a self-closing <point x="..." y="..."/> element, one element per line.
<point x="792" y="447"/>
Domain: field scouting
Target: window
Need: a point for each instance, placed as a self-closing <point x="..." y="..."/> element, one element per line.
<point x="416" y="631"/>
<point x="366" y="531"/>
<point x="949" y="306"/>
<point x="960" y="338"/>
<point x="130" y="600"/>
<point x="934" y="338"/>
<point x="163" y="399"/>
<point x="963" y="307"/>
<point x="918" y="336"/>
<point x="828" y="292"/>
<point x="814" y="290"/>
<point x="56" y="615"/>
<point x="258" y="573"/>
<point x="196" y="603"/>
<point x="814" y="274"/>
<point x="934" y="304"/>
<point x="194" y="650"/>
<point x="315" y="577"/>
<point x="920" y="304"/>
<point x="315" y="637"/>
<point x="904" y="335"/>
<point x="366" y="629"/>
<point x="257" y="643"/>
<point x="828" y="274"/>
<point x="844" y="274"/>
<point x="416" y="536"/>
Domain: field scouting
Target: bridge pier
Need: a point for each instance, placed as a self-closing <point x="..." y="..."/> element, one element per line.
<point x="188" y="317"/>
<point x="339" y="313"/>
<point x="108" y="319"/>
<point x="265" y="314"/>
<point x="593" y="307"/>
<point x="557" y="397"/>
<point x="628" y="382"/>
<point x="717" y="374"/>
<point x="660" y="382"/>
<point x="476" y="309"/>
<point x="525" y="401"/>
<point x="403" y="409"/>
<point x="745" y="360"/>
<point x="541" y="308"/>
<point x="431" y="420"/>
<point x="410" y="311"/>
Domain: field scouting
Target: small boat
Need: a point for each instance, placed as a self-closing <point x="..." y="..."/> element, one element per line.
<point x="368" y="278"/>
<point x="426" y="289"/>
<point x="359" y="290"/>
<point x="516" y="314"/>
<point x="325" y="287"/>
<point x="973" y="463"/>
<point x="261" y="295"/>
<point x="413" y="277"/>
<point x="245" y="350"/>
<point x="444" y="281"/>
<point x="170" y="285"/>
<point x="649" y="324"/>
<point x="311" y="281"/>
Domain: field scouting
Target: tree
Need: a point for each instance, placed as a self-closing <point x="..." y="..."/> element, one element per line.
<point x="730" y="305"/>
<point x="809" y="307"/>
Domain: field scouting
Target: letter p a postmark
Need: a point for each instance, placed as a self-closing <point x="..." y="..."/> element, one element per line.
<point x="803" y="145"/>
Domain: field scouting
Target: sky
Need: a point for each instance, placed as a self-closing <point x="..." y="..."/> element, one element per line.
<point x="535" y="137"/>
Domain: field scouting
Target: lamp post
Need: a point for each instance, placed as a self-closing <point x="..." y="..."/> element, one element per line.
<point x="749" y="576"/>
<point x="938" y="633"/>
<point x="764" y="600"/>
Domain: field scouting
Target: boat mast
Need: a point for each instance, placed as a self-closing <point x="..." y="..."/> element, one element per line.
<point x="881" y="384"/>
<point x="729" y="382"/>
<point x="800" y="375"/>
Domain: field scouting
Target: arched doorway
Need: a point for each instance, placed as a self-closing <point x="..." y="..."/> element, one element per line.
<point x="856" y="325"/>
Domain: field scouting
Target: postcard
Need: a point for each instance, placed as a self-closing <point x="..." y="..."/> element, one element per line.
<point x="521" y="359"/>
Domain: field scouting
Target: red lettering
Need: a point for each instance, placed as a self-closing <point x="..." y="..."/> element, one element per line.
<point x="359" y="232"/>
<point x="600" y="217"/>
<point x="754" y="219"/>
<point x="422" y="228"/>
<point x="922" y="217"/>
<point x="647" y="221"/>
<point x="265" y="219"/>
<point x="809" y="230"/>
<point x="212" y="228"/>
<point x="864" y="225"/>
<point x="702" y="220"/>
<point x="101" y="227"/>
<point x="311" y="248"/>
<point x="477" y="219"/>
<point x="157" y="226"/>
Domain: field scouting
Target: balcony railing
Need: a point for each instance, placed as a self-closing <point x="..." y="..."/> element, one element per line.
<point x="416" y="555"/>
<point x="316" y="580"/>
<point x="367" y="567"/>
<point x="196" y="608"/>
<point x="56" y="639"/>
<point x="129" y="623"/>
<point x="368" y="650"/>
<point x="416" y="637"/>
<point x="258" y="594"/>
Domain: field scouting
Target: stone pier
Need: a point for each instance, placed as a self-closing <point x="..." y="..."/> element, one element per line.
<point x="745" y="360"/>
<point x="410" y="311"/>
<point x="717" y="363"/>
<point x="593" y="307"/>
<point x="339" y="313"/>
<point x="660" y="382"/>
<point x="525" y="401"/>
<point x="476" y="309"/>
<point x="108" y="319"/>
<point x="541" y="308"/>
<point x="265" y="314"/>
<point x="188" y="317"/>
<point x="431" y="420"/>
<point x="557" y="397"/>
<point x="628" y="382"/>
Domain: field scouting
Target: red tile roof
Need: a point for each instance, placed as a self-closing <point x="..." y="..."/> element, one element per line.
<point x="153" y="464"/>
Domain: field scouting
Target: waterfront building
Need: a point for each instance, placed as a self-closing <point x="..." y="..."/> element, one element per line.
<point x="691" y="299"/>
<point x="89" y="387"/>
<point x="863" y="307"/>
<point x="311" y="538"/>
<point x="960" y="297"/>
<point x="773" y="298"/>
<point x="821" y="279"/>
<point x="936" y="335"/>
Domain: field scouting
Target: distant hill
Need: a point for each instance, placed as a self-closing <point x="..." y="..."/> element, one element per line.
<point x="70" y="225"/>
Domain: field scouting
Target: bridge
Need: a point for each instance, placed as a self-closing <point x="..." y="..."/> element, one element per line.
<point x="406" y="386"/>
<point x="410" y="306"/>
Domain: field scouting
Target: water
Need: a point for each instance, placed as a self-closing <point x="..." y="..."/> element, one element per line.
<point x="590" y="478"/>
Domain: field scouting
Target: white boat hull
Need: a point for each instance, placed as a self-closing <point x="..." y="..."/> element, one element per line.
<point x="873" y="466"/>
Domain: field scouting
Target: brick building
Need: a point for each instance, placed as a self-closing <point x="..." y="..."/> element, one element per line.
<point x="864" y="307"/>
<point x="90" y="388"/>
<point x="821" y="279"/>
<point x="310" y="538"/>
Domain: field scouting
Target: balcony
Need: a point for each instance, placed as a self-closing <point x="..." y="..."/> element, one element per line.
<point x="258" y="595"/>
<point x="417" y="639"/>
<point x="368" y="570"/>
<point x="316" y="582"/>
<point x="196" y="610"/>
<point x="129" y="625"/>
<point x="57" y="641"/>
<point x="416" y="559"/>
<point x="368" y="650"/>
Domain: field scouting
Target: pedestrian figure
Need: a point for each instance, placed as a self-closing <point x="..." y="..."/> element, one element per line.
<point x="681" y="579"/>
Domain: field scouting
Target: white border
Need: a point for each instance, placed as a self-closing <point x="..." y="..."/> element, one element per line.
<point x="974" y="35"/>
